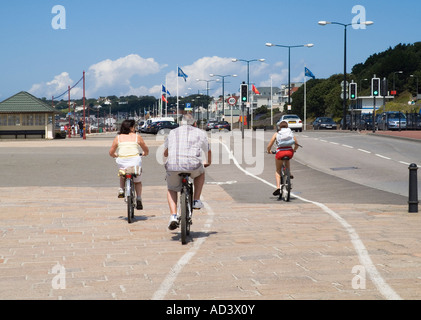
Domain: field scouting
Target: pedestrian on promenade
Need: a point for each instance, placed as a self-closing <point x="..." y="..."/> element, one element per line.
<point x="80" y="124"/>
<point x="127" y="148"/>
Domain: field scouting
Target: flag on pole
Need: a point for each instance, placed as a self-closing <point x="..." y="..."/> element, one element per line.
<point x="164" y="90"/>
<point x="255" y="89"/>
<point x="308" y="73"/>
<point x="163" y="99"/>
<point x="182" y="74"/>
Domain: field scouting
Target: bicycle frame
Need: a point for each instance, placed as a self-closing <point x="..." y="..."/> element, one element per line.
<point x="129" y="190"/>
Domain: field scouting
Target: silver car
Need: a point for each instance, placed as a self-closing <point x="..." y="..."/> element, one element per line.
<point x="294" y="122"/>
<point x="392" y="120"/>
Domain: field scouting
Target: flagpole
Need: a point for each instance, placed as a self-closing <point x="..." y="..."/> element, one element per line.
<point x="271" y="102"/>
<point x="166" y="98"/>
<point x="177" y="94"/>
<point x="305" y="99"/>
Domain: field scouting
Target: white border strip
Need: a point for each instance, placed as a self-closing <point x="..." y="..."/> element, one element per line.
<point x="359" y="247"/>
<point x="184" y="260"/>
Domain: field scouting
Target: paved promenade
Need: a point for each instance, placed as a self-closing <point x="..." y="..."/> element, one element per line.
<point x="73" y="241"/>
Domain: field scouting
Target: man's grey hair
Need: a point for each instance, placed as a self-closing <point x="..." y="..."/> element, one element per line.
<point x="188" y="119"/>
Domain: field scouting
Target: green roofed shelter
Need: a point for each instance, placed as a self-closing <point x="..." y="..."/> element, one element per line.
<point x="25" y="116"/>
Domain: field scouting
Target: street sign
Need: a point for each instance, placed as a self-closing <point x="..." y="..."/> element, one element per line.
<point x="188" y="107"/>
<point x="347" y="85"/>
<point x="232" y="101"/>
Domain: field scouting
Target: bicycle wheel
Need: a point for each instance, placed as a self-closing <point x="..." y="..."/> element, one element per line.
<point x="184" y="215"/>
<point x="286" y="184"/>
<point x="130" y="199"/>
<point x="189" y="202"/>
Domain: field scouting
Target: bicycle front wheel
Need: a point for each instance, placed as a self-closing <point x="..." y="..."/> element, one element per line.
<point x="130" y="199"/>
<point x="184" y="215"/>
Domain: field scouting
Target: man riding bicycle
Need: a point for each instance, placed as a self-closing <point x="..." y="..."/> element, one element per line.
<point x="284" y="139"/>
<point x="183" y="150"/>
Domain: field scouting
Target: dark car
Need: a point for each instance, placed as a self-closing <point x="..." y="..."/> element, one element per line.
<point x="162" y="127"/>
<point x="413" y="121"/>
<point x="210" y="125"/>
<point x="324" y="123"/>
<point x="223" y="125"/>
<point x="366" y="121"/>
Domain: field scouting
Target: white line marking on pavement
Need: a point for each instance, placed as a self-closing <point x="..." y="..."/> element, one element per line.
<point x="184" y="260"/>
<point x="362" y="150"/>
<point x="380" y="156"/>
<point x="359" y="247"/>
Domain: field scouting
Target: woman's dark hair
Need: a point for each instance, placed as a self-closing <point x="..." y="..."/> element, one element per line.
<point x="126" y="126"/>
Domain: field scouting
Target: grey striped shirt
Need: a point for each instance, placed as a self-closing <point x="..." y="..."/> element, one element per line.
<point x="185" y="145"/>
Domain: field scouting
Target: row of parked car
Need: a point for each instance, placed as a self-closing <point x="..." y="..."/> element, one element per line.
<point x="158" y="126"/>
<point x="389" y="120"/>
<point x="217" y="125"/>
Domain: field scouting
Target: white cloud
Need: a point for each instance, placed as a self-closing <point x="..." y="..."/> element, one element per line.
<point x="107" y="77"/>
<point x="201" y="69"/>
<point x="132" y="74"/>
<point x="55" y="87"/>
<point x="117" y="74"/>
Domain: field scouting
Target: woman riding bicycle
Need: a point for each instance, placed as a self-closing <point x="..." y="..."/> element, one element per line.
<point x="284" y="139"/>
<point x="126" y="149"/>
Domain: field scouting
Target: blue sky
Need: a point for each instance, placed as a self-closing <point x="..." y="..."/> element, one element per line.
<point x="134" y="46"/>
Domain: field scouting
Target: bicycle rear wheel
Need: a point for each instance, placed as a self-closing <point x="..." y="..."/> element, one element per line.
<point x="184" y="225"/>
<point x="286" y="184"/>
<point x="130" y="198"/>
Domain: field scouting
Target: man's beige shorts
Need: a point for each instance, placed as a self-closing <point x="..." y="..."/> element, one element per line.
<point x="174" y="180"/>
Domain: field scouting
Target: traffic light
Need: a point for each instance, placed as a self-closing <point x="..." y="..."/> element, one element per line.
<point x="353" y="91"/>
<point x="384" y="88"/>
<point x="375" y="87"/>
<point x="244" y="92"/>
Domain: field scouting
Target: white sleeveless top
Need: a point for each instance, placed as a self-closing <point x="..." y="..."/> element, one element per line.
<point x="128" y="148"/>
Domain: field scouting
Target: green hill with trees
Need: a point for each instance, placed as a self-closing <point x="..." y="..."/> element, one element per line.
<point x="324" y="95"/>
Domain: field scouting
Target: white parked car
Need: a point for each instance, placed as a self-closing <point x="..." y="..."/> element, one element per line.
<point x="294" y="122"/>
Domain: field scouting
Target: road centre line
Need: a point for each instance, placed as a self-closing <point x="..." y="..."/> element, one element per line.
<point x="347" y="146"/>
<point x="383" y="157"/>
<point x="359" y="246"/>
<point x="184" y="260"/>
<point x="362" y="150"/>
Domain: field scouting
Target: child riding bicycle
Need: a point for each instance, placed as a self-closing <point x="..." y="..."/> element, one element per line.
<point x="284" y="139"/>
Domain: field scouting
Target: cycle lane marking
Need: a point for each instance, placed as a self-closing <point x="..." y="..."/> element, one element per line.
<point x="169" y="280"/>
<point x="359" y="246"/>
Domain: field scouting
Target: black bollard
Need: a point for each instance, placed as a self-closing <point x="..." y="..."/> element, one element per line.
<point x="413" y="188"/>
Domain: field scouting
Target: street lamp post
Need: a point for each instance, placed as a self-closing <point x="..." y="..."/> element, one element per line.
<point x="207" y="92"/>
<point x="248" y="73"/>
<point x="309" y="45"/>
<point x="416" y="77"/>
<point x="223" y="87"/>
<point x="394" y="74"/>
<point x="323" y="23"/>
